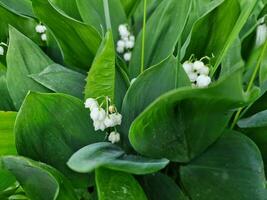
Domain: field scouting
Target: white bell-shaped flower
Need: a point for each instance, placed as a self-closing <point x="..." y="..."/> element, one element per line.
<point x="99" y="125"/>
<point x="109" y="122"/>
<point x="192" y="76"/>
<point x="129" y="44"/>
<point x="40" y="28"/>
<point x="98" y="114"/>
<point x="203" y="81"/>
<point x="114" y="137"/>
<point x="204" y="71"/>
<point x="198" y="65"/>
<point x="120" y="49"/>
<point x="132" y="38"/>
<point x="121" y="44"/>
<point x="127" y="56"/>
<point x="188" y="67"/>
<point x="91" y="103"/>
<point x="44" y="37"/>
<point x="2" y="51"/>
<point x="123" y="31"/>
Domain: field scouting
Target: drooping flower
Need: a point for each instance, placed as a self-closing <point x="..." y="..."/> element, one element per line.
<point x="2" y="51"/>
<point x="114" y="137"/>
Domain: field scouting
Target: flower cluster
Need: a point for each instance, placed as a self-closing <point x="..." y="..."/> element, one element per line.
<point x="126" y="43"/>
<point x="42" y="30"/>
<point x="198" y="73"/>
<point x="103" y="119"/>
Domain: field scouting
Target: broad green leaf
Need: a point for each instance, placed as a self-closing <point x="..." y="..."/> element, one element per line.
<point x="161" y="187"/>
<point x="7" y="136"/>
<point x="92" y="13"/>
<point x="111" y="156"/>
<point x="6" y="103"/>
<point x="23" y="23"/>
<point x="81" y="42"/>
<point x="101" y="77"/>
<point x="137" y="164"/>
<point x="199" y="9"/>
<point x="69" y="7"/>
<point x="24" y="57"/>
<point x="163" y="30"/>
<point x="23" y="7"/>
<point x="62" y="80"/>
<point x="174" y="126"/>
<point x="146" y="88"/>
<point x="255" y="121"/>
<point x="230" y="169"/>
<point x="61" y="126"/>
<point x="213" y="36"/>
<point x="114" y="185"/>
<point x="255" y="128"/>
<point x="93" y="156"/>
<point x="39" y="181"/>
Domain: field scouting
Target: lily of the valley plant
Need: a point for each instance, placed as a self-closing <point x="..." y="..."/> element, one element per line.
<point x="133" y="99"/>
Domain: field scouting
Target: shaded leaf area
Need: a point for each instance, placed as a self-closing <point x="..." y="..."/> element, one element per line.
<point x="161" y="35"/>
<point x="39" y="181"/>
<point x="61" y="80"/>
<point x="61" y="126"/>
<point x="161" y="187"/>
<point x="7" y="136"/>
<point x="174" y="126"/>
<point x="101" y="77"/>
<point x="114" y="185"/>
<point x="130" y="6"/>
<point x="255" y="127"/>
<point x="231" y="169"/>
<point x="199" y="9"/>
<point x="6" y="103"/>
<point x="24" y="57"/>
<point x="7" y="183"/>
<point x="110" y="156"/>
<point x="79" y="42"/>
<point x="23" y="7"/>
<point x="23" y="23"/>
<point x="69" y="7"/>
<point x="213" y="34"/>
<point x="92" y="13"/>
<point x="146" y="88"/>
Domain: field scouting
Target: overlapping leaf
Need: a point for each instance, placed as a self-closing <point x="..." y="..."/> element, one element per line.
<point x="61" y="126"/>
<point x="174" y="126"/>
<point x="230" y="169"/>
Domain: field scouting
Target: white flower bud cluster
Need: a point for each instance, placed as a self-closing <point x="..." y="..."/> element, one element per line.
<point x="126" y="42"/>
<point x="42" y="30"/>
<point x="103" y="119"/>
<point x="198" y="73"/>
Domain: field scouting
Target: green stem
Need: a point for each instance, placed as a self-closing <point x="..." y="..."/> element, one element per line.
<point x="107" y="15"/>
<point x="143" y="38"/>
<point x="251" y="82"/>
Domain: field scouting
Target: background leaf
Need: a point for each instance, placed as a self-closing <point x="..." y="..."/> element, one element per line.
<point x="69" y="7"/>
<point x="61" y="80"/>
<point x="78" y="42"/>
<point x="122" y="185"/>
<point x="24" y="57"/>
<point x="224" y="175"/>
<point x="92" y="13"/>
<point x="60" y="127"/>
<point x="23" y="23"/>
<point x="39" y="181"/>
<point x="161" y="35"/>
<point x="169" y="190"/>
